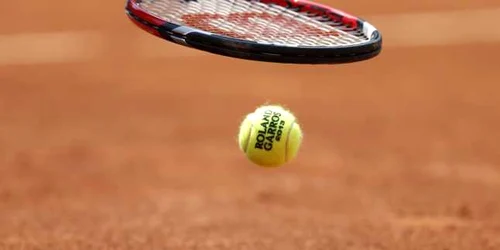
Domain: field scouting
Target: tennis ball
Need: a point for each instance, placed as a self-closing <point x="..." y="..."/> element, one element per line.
<point x="270" y="136"/>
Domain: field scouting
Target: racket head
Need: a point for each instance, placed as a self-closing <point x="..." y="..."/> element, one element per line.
<point x="280" y="31"/>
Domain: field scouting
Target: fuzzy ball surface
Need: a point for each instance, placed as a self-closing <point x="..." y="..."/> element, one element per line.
<point x="270" y="136"/>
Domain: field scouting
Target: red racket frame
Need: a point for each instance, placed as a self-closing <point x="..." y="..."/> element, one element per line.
<point x="244" y="49"/>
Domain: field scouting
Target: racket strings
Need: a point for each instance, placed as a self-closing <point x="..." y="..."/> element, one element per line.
<point x="255" y="21"/>
<point x="270" y="26"/>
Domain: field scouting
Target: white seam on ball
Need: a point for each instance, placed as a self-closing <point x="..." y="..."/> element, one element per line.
<point x="248" y="138"/>
<point x="287" y="140"/>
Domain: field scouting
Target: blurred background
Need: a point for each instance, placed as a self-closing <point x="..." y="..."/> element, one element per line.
<point x="105" y="144"/>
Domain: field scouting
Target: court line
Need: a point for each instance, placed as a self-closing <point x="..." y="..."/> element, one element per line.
<point x="54" y="47"/>
<point x="398" y="30"/>
<point x="439" y="28"/>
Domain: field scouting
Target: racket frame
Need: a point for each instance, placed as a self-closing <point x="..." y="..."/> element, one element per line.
<point x="249" y="50"/>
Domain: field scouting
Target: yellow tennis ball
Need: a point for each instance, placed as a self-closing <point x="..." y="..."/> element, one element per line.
<point x="270" y="136"/>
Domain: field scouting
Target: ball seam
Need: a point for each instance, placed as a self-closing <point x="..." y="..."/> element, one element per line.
<point x="248" y="138"/>
<point x="288" y="140"/>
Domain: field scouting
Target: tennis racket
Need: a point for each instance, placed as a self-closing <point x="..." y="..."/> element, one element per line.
<point x="280" y="31"/>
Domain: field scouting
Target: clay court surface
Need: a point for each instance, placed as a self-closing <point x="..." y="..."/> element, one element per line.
<point x="113" y="139"/>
